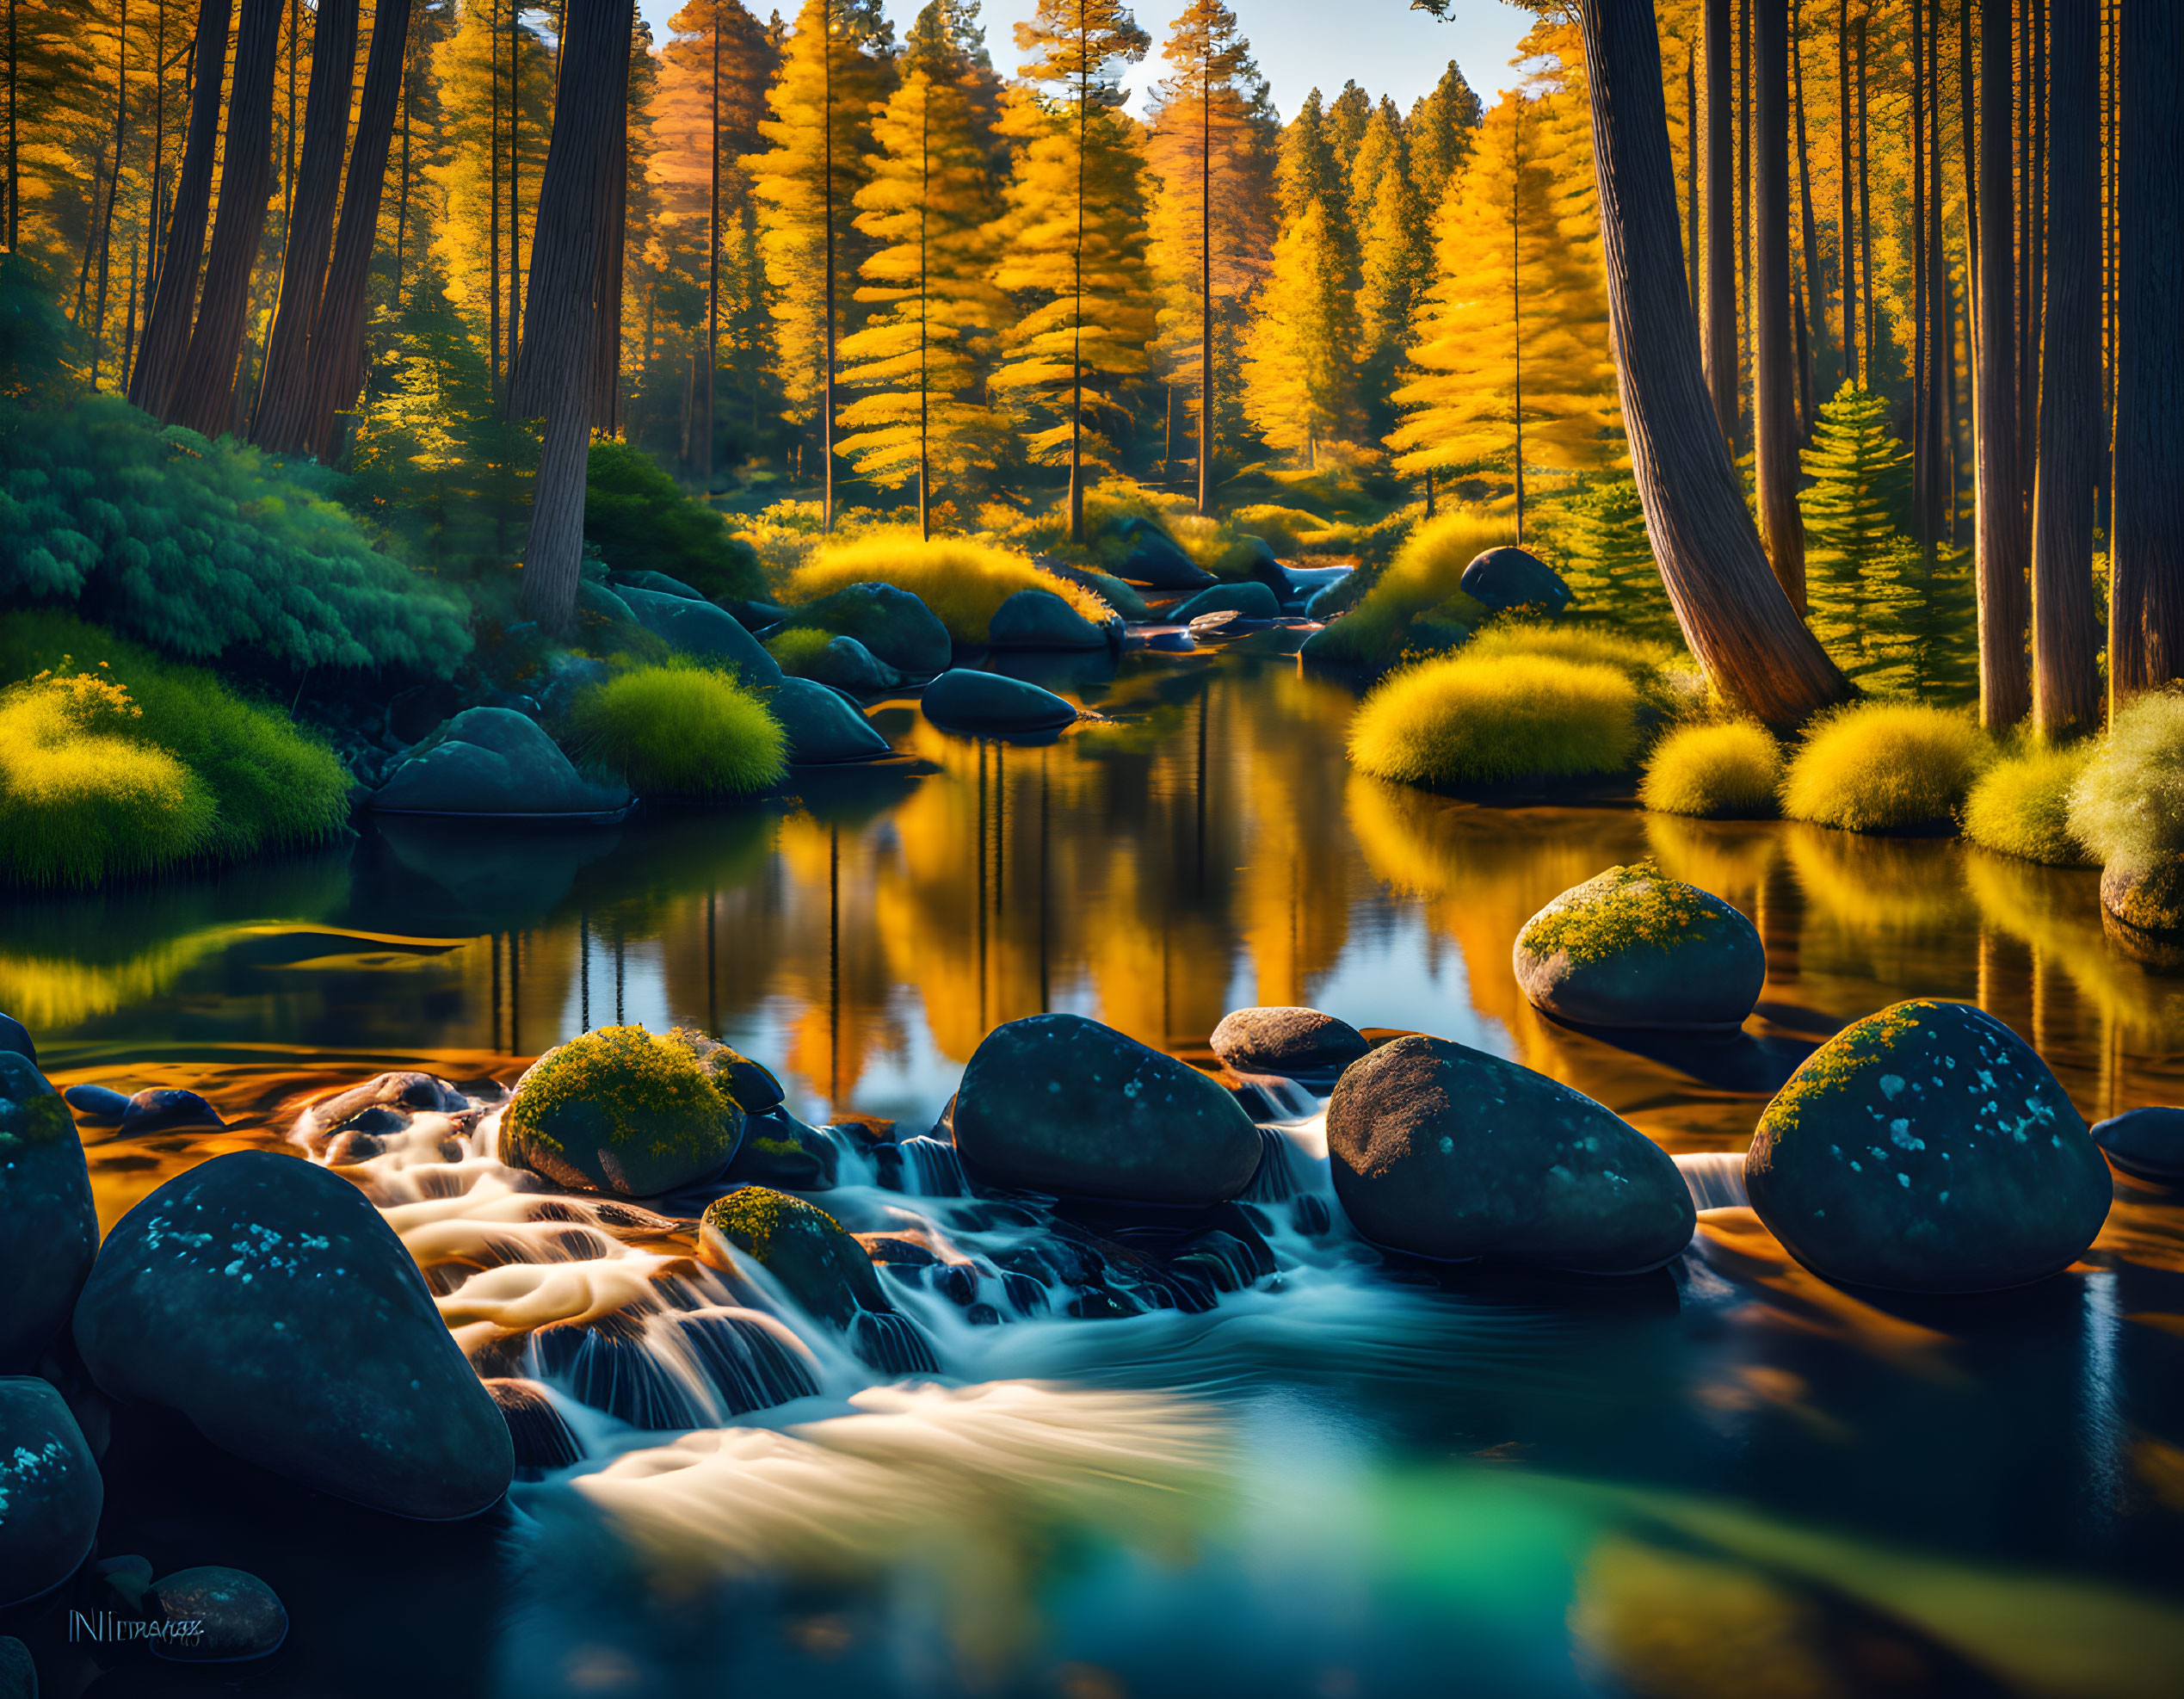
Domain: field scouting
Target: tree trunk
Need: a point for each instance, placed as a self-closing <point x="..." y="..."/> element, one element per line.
<point x="2004" y="688"/>
<point x="205" y="392"/>
<point x="1865" y="219"/>
<point x="1846" y="208"/>
<point x="560" y="337"/>
<point x="2066" y="676"/>
<point x="2146" y="623"/>
<point x="1692" y="147"/>
<point x="1921" y="398"/>
<point x="1206" y="281"/>
<point x="1812" y="325"/>
<point x="1745" y="344"/>
<point x="167" y="319"/>
<point x="1721" y="216"/>
<point x="2032" y="144"/>
<point x="826" y="388"/>
<point x="1732" y="611"/>
<point x="282" y="419"/>
<point x="514" y="179"/>
<point x="112" y="189"/>
<point x="712" y="273"/>
<point x="1774" y="366"/>
<point x="337" y="334"/>
<point x="1941" y="424"/>
<point x="607" y="360"/>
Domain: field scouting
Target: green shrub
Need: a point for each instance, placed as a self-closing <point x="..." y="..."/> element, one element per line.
<point x="680" y="730"/>
<point x="204" y="548"/>
<point x="1885" y="767"/>
<point x="2128" y="805"/>
<point x="82" y="797"/>
<point x="641" y="522"/>
<point x="2022" y="805"/>
<point x="271" y="785"/>
<point x="963" y="581"/>
<point x="1464" y="720"/>
<point x="796" y="647"/>
<point x="1713" y="772"/>
<point x="1422" y="581"/>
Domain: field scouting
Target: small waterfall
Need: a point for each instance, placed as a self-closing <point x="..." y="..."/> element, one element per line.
<point x="615" y="1364"/>
<point x="748" y="1361"/>
<point x="1715" y="1179"/>
<point x="893" y="1343"/>
<point x="1273" y="1096"/>
<point x="921" y="1166"/>
<point x="1280" y="1177"/>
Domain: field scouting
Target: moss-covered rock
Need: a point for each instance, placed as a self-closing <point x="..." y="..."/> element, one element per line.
<point x="1633" y="948"/>
<point x="1445" y="1151"/>
<point x="699" y="628"/>
<point x="1928" y="1149"/>
<point x="50" y="1491"/>
<point x="2149" y="898"/>
<point x="622" y="1109"/>
<point x="49" y="1231"/>
<point x="778" y="1150"/>
<point x="894" y="624"/>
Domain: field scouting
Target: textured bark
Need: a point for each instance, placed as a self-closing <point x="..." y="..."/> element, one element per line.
<point x="1774" y="366"/>
<point x="167" y="319"/>
<point x="1733" y="612"/>
<point x="2005" y="690"/>
<point x="1721" y="223"/>
<point x="282" y="419"/>
<point x="1812" y="325"/>
<point x="560" y="332"/>
<point x="607" y="355"/>
<point x="2066" y="676"/>
<point x="337" y="334"/>
<point x="1940" y="423"/>
<point x="1846" y="208"/>
<point x="2146" y="622"/>
<point x="205" y="392"/>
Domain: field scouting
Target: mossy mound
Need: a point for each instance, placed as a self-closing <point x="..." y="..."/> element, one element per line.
<point x="1885" y="767"/>
<point x="1727" y="771"/>
<point x="626" y="1111"/>
<point x="2021" y="806"/>
<point x="1633" y="948"/>
<point x="2127" y="807"/>
<point x="1494" y="720"/>
<point x="680" y="730"/>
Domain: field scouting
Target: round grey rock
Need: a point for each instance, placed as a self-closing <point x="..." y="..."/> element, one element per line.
<point x="699" y="628"/>
<point x="822" y="727"/>
<point x="1285" y="1040"/>
<point x="160" y="1107"/>
<point x="970" y="700"/>
<point x="894" y="624"/>
<point x="1928" y="1149"/>
<point x="50" y="1491"/>
<point x="1155" y="559"/>
<point x="1060" y="1103"/>
<point x="1249" y="599"/>
<point x="97" y="1103"/>
<point x="1633" y="948"/>
<point x="847" y="665"/>
<point x="2148" y="1142"/>
<point x="1447" y="1152"/>
<point x="216" y="1616"/>
<point x="263" y="1298"/>
<point x="495" y="762"/>
<point x="1039" y="619"/>
<point x="1514" y="577"/>
<point x="49" y="1229"/>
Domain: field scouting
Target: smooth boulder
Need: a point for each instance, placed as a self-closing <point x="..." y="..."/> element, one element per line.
<point x="15" y="1037"/>
<point x="2148" y="1142"/>
<point x="49" y="1231"/>
<point x="823" y="727"/>
<point x="1249" y="599"/>
<point x="490" y="761"/>
<point x="158" y="1108"/>
<point x="623" y="1110"/>
<point x="1502" y="579"/>
<point x="1928" y="1149"/>
<point x="699" y="628"/>
<point x="1155" y="559"/>
<point x="1039" y="619"/>
<point x="1285" y="1041"/>
<point x="822" y="1266"/>
<point x="987" y="700"/>
<point x="1633" y="948"/>
<point x="216" y="1616"/>
<point x="2149" y="900"/>
<point x="658" y="582"/>
<point x="263" y="1298"/>
<point x="894" y="624"/>
<point x="1447" y="1152"/>
<point x="1060" y="1103"/>
<point x="50" y="1491"/>
<point x="847" y="665"/>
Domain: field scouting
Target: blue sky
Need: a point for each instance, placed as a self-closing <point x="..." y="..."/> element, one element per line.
<point x="1298" y="44"/>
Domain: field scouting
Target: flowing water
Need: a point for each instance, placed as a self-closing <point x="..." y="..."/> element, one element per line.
<point x="1259" y="1461"/>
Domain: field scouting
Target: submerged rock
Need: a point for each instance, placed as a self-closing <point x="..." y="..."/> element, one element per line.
<point x="822" y="727"/>
<point x="1633" y="948"/>
<point x="49" y="1230"/>
<point x="542" y="1438"/>
<point x="625" y="1110"/>
<point x="1514" y="577"/>
<point x="1250" y="600"/>
<point x="699" y="628"/>
<point x="50" y="1491"/>
<point x="821" y="1266"/>
<point x="1039" y="619"/>
<point x="893" y="624"/>
<point x="216" y="1616"/>
<point x="162" y="1106"/>
<point x="1446" y="1152"/>
<point x="1285" y="1041"/>
<point x="490" y="761"/>
<point x="1060" y="1103"/>
<point x="99" y="1104"/>
<point x="2148" y="1142"/>
<point x="1927" y="1149"/>
<point x="266" y="1300"/>
<point x="982" y="701"/>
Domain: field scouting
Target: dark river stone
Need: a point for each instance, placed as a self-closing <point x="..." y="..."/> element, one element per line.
<point x="223" y="1616"/>
<point x="49" y="1229"/>
<point x="50" y="1491"/>
<point x="1633" y="948"/>
<point x="2148" y="1142"/>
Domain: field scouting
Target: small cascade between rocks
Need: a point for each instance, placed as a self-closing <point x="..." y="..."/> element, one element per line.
<point x="1715" y="1179"/>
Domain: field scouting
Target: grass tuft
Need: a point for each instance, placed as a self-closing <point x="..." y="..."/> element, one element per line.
<point x="798" y="647"/>
<point x="1714" y="772"/>
<point x="680" y="730"/>
<point x="1885" y="767"/>
<point x="1423" y="580"/>
<point x="2022" y="805"/>
<point x="1637" y="657"/>
<point x="1466" y="720"/>
<point x="961" y="581"/>
<point x="2128" y="805"/>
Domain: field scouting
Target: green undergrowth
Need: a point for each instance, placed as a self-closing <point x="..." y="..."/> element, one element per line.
<point x="2022" y="805"/>
<point x="1417" y="604"/>
<point x="1725" y="771"/>
<point x="1482" y="720"/>
<point x="1884" y="766"/>
<point x="2127" y="807"/>
<point x="679" y="731"/>
<point x="797" y="647"/>
<point x="640" y="520"/>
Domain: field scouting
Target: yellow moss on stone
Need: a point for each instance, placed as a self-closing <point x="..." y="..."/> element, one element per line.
<point x="1623" y="909"/>
<point x="1833" y="1066"/>
<point x="655" y="1090"/>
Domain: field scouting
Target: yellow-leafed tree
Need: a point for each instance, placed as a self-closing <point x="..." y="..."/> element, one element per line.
<point x="1300" y="376"/>
<point x="1212" y="150"/>
<point x="1074" y="236"/>
<point x="1395" y="261"/>
<point x="932" y="208"/>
